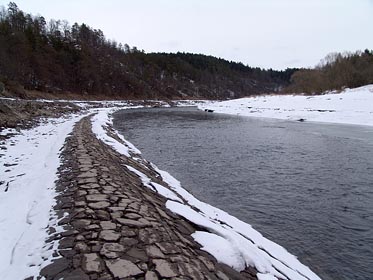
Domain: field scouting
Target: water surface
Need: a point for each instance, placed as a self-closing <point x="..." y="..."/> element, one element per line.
<point x="306" y="186"/>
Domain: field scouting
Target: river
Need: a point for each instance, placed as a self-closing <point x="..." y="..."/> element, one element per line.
<point x="305" y="186"/>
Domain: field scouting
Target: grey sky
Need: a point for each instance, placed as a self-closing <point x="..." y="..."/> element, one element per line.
<point x="264" y="33"/>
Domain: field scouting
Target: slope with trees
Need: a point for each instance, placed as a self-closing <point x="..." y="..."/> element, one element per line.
<point x="335" y="72"/>
<point x="56" y="57"/>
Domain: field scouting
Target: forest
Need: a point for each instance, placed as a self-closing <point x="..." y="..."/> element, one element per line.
<point x="335" y="72"/>
<point x="61" y="58"/>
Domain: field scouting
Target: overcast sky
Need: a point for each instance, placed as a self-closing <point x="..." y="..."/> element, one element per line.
<point x="264" y="33"/>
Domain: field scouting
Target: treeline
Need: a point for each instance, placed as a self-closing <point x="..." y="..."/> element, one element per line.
<point x="56" y="57"/>
<point x="335" y="72"/>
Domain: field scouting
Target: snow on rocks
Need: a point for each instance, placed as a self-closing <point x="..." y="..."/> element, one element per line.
<point x="167" y="193"/>
<point x="113" y="231"/>
<point x="30" y="159"/>
<point x="228" y="239"/>
<point x="100" y="126"/>
<point x="351" y="106"/>
<point x="134" y="234"/>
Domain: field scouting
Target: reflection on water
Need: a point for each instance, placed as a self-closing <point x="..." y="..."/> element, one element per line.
<point x="308" y="187"/>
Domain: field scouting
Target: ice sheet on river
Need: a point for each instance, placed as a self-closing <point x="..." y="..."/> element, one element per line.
<point x="230" y="240"/>
<point x="351" y="106"/>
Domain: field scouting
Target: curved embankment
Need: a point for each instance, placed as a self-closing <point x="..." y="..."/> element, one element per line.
<point x="123" y="217"/>
<point x="115" y="225"/>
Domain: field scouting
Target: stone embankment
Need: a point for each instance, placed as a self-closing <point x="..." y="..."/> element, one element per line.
<point x="115" y="228"/>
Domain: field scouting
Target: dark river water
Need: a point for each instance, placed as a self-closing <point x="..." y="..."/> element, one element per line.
<point x="306" y="186"/>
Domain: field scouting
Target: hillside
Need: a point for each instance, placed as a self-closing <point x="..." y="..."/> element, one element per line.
<point x="57" y="58"/>
<point x="335" y="72"/>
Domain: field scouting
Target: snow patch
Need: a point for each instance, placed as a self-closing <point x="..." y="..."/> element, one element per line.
<point x="147" y="182"/>
<point x="27" y="196"/>
<point x="100" y="123"/>
<point x="224" y="253"/>
<point x="351" y="106"/>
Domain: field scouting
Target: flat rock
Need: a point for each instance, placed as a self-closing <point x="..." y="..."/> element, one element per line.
<point x="117" y="209"/>
<point x="88" y="174"/>
<point x="124" y="202"/>
<point x="116" y="215"/>
<point x="93" y="227"/>
<point x="132" y="223"/>
<point x="92" y="263"/>
<point x="93" y="191"/>
<point x="81" y="223"/>
<point x="90" y="186"/>
<point x="154" y="252"/>
<point x="137" y="254"/>
<point x="111" y="250"/>
<point x="66" y="242"/>
<point x="81" y="247"/>
<point x="123" y="268"/>
<point x="109" y="188"/>
<point x="79" y="237"/>
<point x="179" y="258"/>
<point x="151" y="275"/>
<point x="135" y="206"/>
<point x="99" y="205"/>
<point x="87" y="181"/>
<point x="69" y="233"/>
<point x="165" y="269"/>
<point x="221" y="275"/>
<point x="109" y="235"/>
<point x="189" y="270"/>
<point x="127" y="232"/>
<point x="84" y="169"/>
<point x="80" y="203"/>
<point x="108" y="225"/>
<point x="113" y="247"/>
<point x="132" y="216"/>
<point x="81" y="193"/>
<point x="54" y="268"/>
<point x="128" y="242"/>
<point x="162" y="213"/>
<point x="102" y="215"/>
<point x="210" y="266"/>
<point x="96" y="197"/>
<point x="76" y="274"/>
<point x="168" y="248"/>
<point x="148" y="237"/>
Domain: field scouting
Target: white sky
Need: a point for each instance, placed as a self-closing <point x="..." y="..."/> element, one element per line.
<point x="265" y="33"/>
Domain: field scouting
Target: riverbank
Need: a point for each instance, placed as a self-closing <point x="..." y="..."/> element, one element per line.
<point x="116" y="215"/>
<point x="351" y="106"/>
<point x="115" y="227"/>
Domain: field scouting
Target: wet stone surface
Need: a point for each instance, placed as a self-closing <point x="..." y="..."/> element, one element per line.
<point x="115" y="228"/>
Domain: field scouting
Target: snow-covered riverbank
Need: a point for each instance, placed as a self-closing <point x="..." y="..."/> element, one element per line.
<point x="228" y="239"/>
<point x="351" y="106"/>
<point x="31" y="160"/>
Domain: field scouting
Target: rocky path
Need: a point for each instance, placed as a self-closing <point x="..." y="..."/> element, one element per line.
<point x="115" y="228"/>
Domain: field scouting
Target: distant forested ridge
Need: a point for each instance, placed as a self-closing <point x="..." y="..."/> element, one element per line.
<point x="56" y="57"/>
